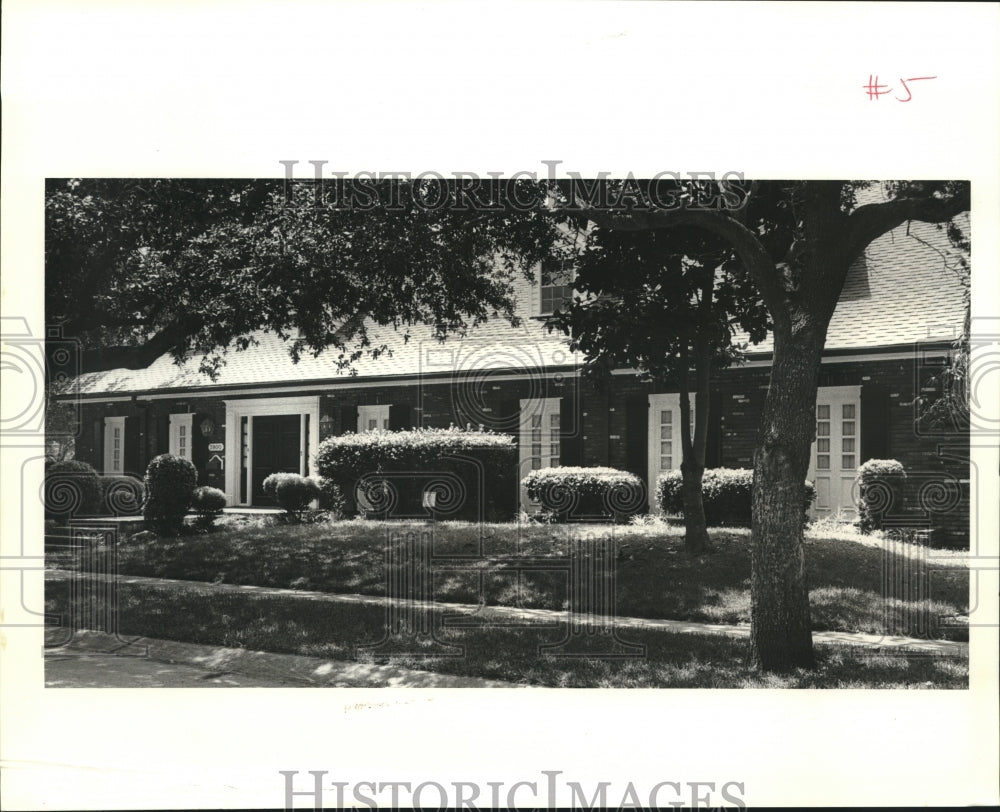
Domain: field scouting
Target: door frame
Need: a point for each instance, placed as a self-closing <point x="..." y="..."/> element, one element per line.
<point x="656" y="402"/>
<point x="236" y="410"/>
<point x="543" y="407"/>
<point x="837" y="397"/>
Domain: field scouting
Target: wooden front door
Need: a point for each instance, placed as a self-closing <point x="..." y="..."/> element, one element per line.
<point x="276" y="448"/>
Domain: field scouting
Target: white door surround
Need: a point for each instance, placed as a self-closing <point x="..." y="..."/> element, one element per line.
<point x="538" y="440"/>
<point x="181" y="426"/>
<point x="664" y="439"/>
<point x="836" y="451"/>
<point x="239" y="436"/>
<point x="114" y="445"/>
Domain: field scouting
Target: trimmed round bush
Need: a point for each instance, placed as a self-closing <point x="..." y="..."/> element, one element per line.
<point x="72" y="488"/>
<point x="122" y="495"/>
<point x="570" y="493"/>
<point x="472" y="474"/>
<point x="208" y="503"/>
<point x="727" y="494"/>
<point x="292" y="492"/>
<point x="170" y="483"/>
<point x="880" y="488"/>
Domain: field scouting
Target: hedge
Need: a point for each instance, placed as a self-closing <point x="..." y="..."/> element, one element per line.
<point x="570" y="493"/>
<point x="727" y="494"/>
<point x="72" y="488"/>
<point x="880" y="489"/>
<point x="473" y="474"/>
<point x="170" y="483"/>
<point x="122" y="495"/>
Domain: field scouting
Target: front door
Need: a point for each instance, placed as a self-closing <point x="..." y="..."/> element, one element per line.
<point x="276" y="448"/>
<point x="539" y="437"/>
<point x="665" y="450"/>
<point x="836" y="452"/>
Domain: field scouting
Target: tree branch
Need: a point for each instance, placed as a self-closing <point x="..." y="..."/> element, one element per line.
<point x="743" y="241"/>
<point x="869" y="222"/>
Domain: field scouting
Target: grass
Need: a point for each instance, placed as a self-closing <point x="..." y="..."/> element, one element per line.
<point x="857" y="584"/>
<point x="286" y="624"/>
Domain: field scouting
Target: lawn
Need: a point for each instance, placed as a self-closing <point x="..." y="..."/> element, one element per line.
<point x="287" y="624"/>
<point x="856" y="583"/>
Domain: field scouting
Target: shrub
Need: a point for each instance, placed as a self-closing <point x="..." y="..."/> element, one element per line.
<point x="122" y="495"/>
<point x="473" y="474"/>
<point x="569" y="493"/>
<point x="208" y="504"/>
<point x="170" y="482"/>
<point x="880" y="487"/>
<point x="72" y="488"/>
<point x="293" y="492"/>
<point x="727" y="494"/>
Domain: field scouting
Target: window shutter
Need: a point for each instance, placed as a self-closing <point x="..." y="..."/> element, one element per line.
<point x="399" y="417"/>
<point x="636" y="435"/>
<point x="570" y="432"/>
<point x="875" y="404"/>
<point x="162" y="434"/>
<point x="348" y="419"/>
<point x="131" y="453"/>
<point x="535" y="295"/>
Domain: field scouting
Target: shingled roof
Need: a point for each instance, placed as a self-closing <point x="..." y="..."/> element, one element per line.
<point x="902" y="291"/>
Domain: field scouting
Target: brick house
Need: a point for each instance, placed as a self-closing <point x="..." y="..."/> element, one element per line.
<point x="900" y="310"/>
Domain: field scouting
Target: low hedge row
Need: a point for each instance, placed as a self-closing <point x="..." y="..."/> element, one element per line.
<point x="386" y="474"/>
<point x="570" y="493"/>
<point x="727" y="494"/>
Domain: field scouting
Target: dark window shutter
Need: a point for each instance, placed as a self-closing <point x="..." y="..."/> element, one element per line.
<point x="713" y="443"/>
<point x="570" y="432"/>
<point x="636" y="435"/>
<point x="98" y="450"/>
<point x="131" y="460"/>
<point x="399" y="417"/>
<point x="875" y="404"/>
<point x="348" y="419"/>
<point x="163" y="434"/>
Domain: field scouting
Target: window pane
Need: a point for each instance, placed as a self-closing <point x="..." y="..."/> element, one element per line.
<point x="823" y="429"/>
<point x="536" y="449"/>
<point x="847" y="461"/>
<point x="555" y="462"/>
<point x="554" y="421"/>
<point x="554" y="449"/>
<point x="666" y="416"/>
<point x="823" y="412"/>
<point x="823" y="462"/>
<point x="536" y="463"/>
<point x="848" y="427"/>
<point x="823" y="445"/>
<point x="666" y="447"/>
<point x="848" y="444"/>
<point x="665" y="432"/>
<point x="372" y="423"/>
<point x="536" y="420"/>
<point x="849" y="411"/>
<point x="536" y="435"/>
<point x="665" y="464"/>
<point x="385" y="424"/>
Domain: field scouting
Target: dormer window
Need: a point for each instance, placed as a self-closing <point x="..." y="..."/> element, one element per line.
<point x="556" y="282"/>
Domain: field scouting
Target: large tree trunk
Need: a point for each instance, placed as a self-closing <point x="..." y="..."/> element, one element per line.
<point x="781" y="636"/>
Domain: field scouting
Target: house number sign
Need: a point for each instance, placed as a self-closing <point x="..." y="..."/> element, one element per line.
<point x="216" y="446"/>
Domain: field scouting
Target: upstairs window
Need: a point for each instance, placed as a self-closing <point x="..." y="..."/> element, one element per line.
<point x="556" y="285"/>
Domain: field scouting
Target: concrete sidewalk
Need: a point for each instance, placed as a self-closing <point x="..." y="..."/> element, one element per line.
<point x="458" y="614"/>
<point x="99" y="660"/>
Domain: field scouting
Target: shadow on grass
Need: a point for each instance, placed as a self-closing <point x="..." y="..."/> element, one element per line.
<point x="284" y="624"/>
<point x="854" y="586"/>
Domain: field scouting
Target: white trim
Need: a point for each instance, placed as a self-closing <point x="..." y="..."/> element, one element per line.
<point x="408" y="380"/>
<point x="181" y="424"/>
<point x="545" y="408"/>
<point x="835" y="484"/>
<point x="236" y="410"/>
<point x="656" y="403"/>
<point x="111" y="424"/>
